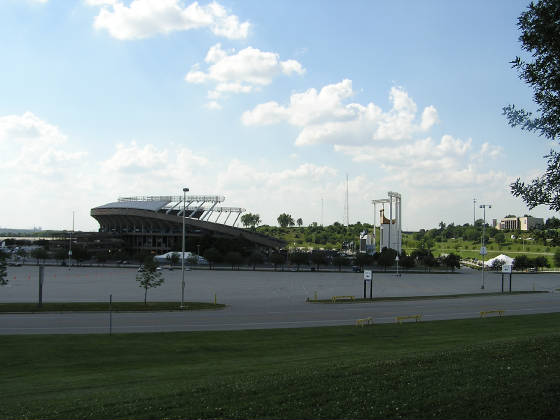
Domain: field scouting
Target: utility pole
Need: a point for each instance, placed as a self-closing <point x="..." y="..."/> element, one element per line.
<point x="483" y="249"/>
<point x="346" y="204"/>
<point x="70" y="245"/>
<point x="474" y="211"/>
<point x="183" y="254"/>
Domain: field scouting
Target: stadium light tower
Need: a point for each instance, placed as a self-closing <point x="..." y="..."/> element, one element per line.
<point x="483" y="249"/>
<point x="183" y="253"/>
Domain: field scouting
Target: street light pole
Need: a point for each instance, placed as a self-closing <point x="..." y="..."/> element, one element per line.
<point x="482" y="249"/>
<point x="183" y="253"/>
<point x="70" y="245"/>
<point x="473" y="211"/>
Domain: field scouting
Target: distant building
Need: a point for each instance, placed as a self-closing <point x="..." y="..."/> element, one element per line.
<point x="520" y="223"/>
<point x="155" y="223"/>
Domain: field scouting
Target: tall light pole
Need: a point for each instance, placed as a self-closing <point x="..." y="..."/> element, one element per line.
<point x="70" y="245"/>
<point x="483" y="249"/>
<point x="473" y="211"/>
<point x="183" y="253"/>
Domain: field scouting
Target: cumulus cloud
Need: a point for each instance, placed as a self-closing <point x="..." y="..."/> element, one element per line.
<point x="31" y="144"/>
<point x="325" y="117"/>
<point x="388" y="138"/>
<point x="146" y="18"/>
<point x="449" y="163"/>
<point x="131" y="158"/>
<point x="242" y="71"/>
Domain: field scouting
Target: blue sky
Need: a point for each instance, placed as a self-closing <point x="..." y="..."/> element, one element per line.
<point x="268" y="103"/>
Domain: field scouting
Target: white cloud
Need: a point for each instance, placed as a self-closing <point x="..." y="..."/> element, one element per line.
<point x="324" y="117"/>
<point x="146" y="18"/>
<point x="451" y="163"/>
<point x="213" y="105"/>
<point x="32" y="145"/>
<point x="240" y="72"/>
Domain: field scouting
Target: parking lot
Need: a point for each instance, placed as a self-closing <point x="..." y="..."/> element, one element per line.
<point x="250" y="287"/>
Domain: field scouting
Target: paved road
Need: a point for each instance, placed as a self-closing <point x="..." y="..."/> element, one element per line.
<point x="261" y="300"/>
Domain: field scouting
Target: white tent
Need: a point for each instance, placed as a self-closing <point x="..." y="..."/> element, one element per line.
<point x="166" y="258"/>
<point x="502" y="257"/>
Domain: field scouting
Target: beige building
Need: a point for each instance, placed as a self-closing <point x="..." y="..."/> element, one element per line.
<point x="520" y="223"/>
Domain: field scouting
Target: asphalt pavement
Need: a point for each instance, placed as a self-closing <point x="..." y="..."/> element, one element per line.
<point x="257" y="299"/>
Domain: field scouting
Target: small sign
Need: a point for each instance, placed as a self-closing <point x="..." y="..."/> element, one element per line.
<point x="483" y="251"/>
<point x="506" y="268"/>
<point x="70" y="252"/>
<point x="367" y="275"/>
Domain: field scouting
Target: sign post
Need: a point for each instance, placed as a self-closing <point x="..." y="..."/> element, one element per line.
<point x="41" y="278"/>
<point x="506" y="269"/>
<point x="368" y="277"/>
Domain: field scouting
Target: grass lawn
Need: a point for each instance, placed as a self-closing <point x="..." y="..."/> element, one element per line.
<point x="506" y="367"/>
<point x="104" y="306"/>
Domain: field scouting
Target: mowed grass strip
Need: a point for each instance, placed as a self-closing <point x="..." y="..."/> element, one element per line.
<point x="506" y="367"/>
<point x="104" y="306"/>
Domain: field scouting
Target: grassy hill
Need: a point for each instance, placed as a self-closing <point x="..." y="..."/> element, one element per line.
<point x="507" y="367"/>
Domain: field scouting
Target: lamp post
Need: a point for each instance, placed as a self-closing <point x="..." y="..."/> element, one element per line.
<point x="70" y="244"/>
<point x="183" y="253"/>
<point x="483" y="249"/>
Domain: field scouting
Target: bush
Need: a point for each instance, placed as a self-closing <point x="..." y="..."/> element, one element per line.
<point x="233" y="258"/>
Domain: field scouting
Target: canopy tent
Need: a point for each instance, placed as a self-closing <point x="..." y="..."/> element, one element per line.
<point x="502" y="257"/>
<point x="166" y="258"/>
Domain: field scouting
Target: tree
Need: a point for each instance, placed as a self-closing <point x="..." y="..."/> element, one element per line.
<point x="497" y="265"/>
<point x="429" y="261"/>
<point x="406" y="261"/>
<point x="557" y="257"/>
<point x="102" y="257"/>
<point x="387" y="257"/>
<point x="521" y="263"/>
<point x="299" y="258"/>
<point x="452" y="261"/>
<point x="22" y="253"/>
<point x="251" y="220"/>
<point x="233" y="258"/>
<point x="39" y="254"/>
<point x="276" y="259"/>
<point x="255" y="258"/>
<point x="299" y="222"/>
<point x="61" y="254"/>
<point x="552" y="223"/>
<point x="319" y="258"/>
<point x="340" y="260"/>
<point x="148" y="277"/>
<point x="246" y="219"/>
<point x="285" y="220"/>
<point x="541" y="262"/>
<point x="80" y="254"/>
<point x="3" y="270"/>
<point x="213" y="256"/>
<point x="363" y="260"/>
<point x="540" y="37"/>
<point x="500" y="237"/>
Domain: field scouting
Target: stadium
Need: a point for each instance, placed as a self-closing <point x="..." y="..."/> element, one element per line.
<point x="154" y="224"/>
